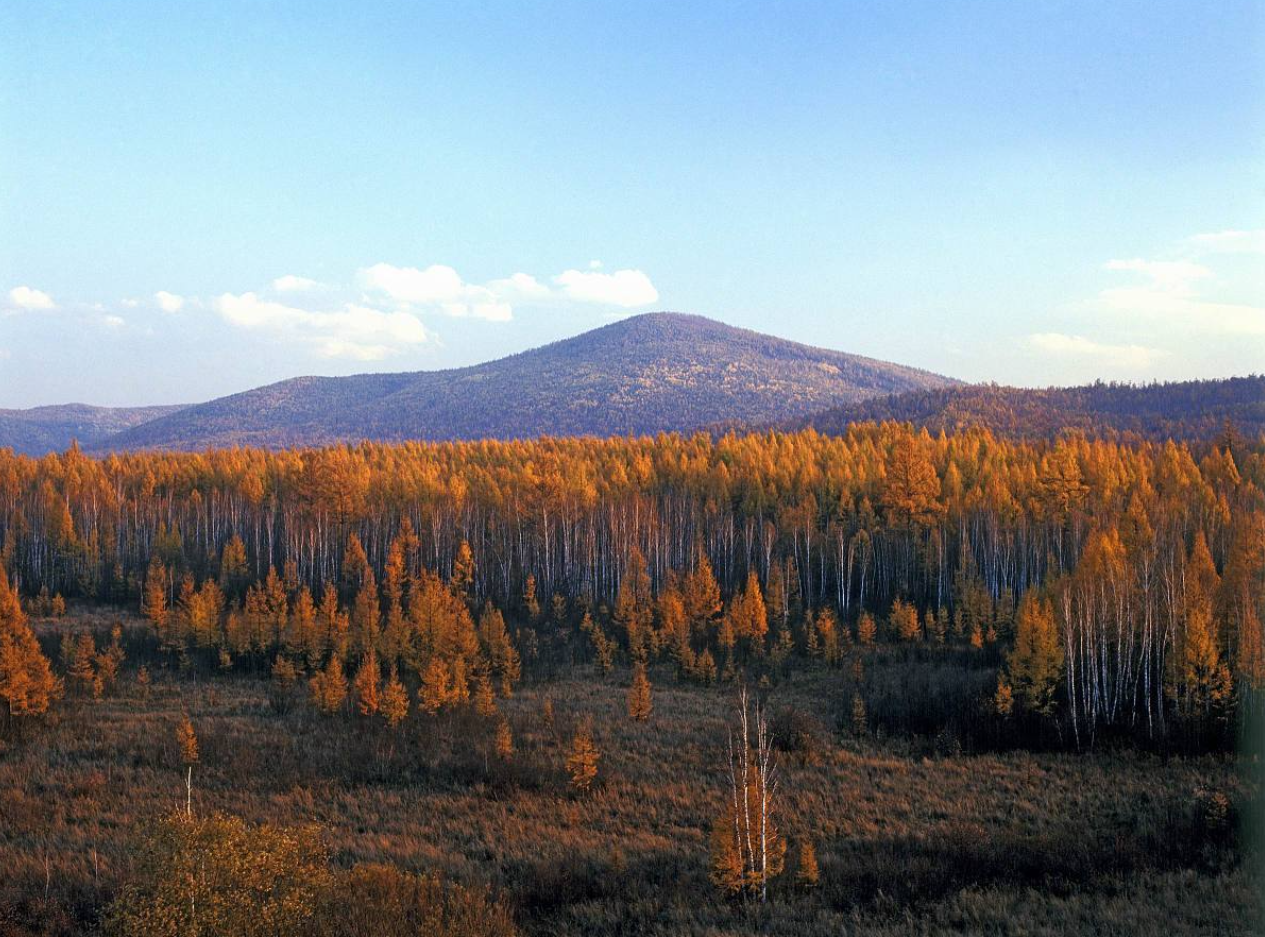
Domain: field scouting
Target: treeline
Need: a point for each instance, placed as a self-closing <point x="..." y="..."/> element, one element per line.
<point x="1122" y="583"/>
<point x="1205" y="410"/>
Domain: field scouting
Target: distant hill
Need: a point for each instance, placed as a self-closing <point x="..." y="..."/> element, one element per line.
<point x="1181" y="410"/>
<point x="649" y="373"/>
<point x="51" y="429"/>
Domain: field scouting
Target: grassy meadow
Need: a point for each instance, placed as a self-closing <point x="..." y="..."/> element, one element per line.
<point x="913" y="836"/>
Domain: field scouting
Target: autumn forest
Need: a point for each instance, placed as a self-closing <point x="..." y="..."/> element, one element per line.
<point x="496" y="626"/>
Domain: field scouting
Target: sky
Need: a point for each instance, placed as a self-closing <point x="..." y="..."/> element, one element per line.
<point x="199" y="198"/>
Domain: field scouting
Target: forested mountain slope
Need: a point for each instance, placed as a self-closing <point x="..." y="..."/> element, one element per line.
<point x="52" y="429"/>
<point x="1180" y="410"/>
<point x="650" y="373"/>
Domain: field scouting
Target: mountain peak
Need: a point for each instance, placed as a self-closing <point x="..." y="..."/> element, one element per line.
<point x="649" y="373"/>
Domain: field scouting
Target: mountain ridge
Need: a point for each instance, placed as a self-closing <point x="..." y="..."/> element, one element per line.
<point x="1197" y="409"/>
<point x="53" y="427"/>
<point x="645" y="374"/>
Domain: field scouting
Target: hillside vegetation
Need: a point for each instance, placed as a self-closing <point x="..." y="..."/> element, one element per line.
<point x="658" y="372"/>
<point x="994" y="686"/>
<point x="1202" y="410"/>
<point x="40" y="430"/>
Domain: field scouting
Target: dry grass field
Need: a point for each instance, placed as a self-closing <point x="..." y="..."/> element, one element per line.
<point x="911" y="839"/>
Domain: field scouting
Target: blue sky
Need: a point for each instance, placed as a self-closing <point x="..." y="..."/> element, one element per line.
<point x="200" y="198"/>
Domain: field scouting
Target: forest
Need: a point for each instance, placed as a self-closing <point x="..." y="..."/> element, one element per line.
<point x="524" y="634"/>
<point x="1205" y="410"/>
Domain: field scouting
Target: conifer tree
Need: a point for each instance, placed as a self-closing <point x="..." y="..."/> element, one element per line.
<point x="1203" y="680"/>
<point x="904" y="621"/>
<point x="866" y="629"/>
<point x="462" y="582"/>
<point x="155" y="597"/>
<point x="634" y="610"/>
<point x="706" y="667"/>
<point x="827" y="628"/>
<point x="582" y="762"/>
<point x="394" y="707"/>
<point x="484" y="698"/>
<point x="434" y="693"/>
<point x="365" y="685"/>
<point x="498" y="651"/>
<point x="28" y="686"/>
<point x="700" y="594"/>
<point x="1034" y="668"/>
<point x="808" y="873"/>
<point x="365" y="617"/>
<point x="329" y="687"/>
<point x="504" y="742"/>
<point x="82" y="670"/>
<point x="233" y="571"/>
<point x="284" y="678"/>
<point x="639" y="695"/>
<point x="531" y="604"/>
<point x="304" y="632"/>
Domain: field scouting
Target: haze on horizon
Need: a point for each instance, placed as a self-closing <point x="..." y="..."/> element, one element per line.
<point x="197" y="200"/>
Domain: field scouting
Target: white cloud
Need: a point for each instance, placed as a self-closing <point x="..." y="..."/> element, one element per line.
<point x="355" y="331"/>
<point x="113" y="322"/>
<point x="626" y="288"/>
<point x="437" y="284"/>
<point x="25" y="297"/>
<point x="1134" y="357"/>
<point x="1170" y="275"/>
<point x="1230" y="242"/>
<point x="441" y="288"/>
<point x="1170" y="296"/>
<point x="520" y="287"/>
<point x="293" y="284"/>
<point x="131" y="303"/>
<point x="168" y="302"/>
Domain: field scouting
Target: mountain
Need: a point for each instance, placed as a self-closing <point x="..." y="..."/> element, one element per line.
<point x="1179" y="410"/>
<point x="649" y="373"/>
<point x="52" y="429"/>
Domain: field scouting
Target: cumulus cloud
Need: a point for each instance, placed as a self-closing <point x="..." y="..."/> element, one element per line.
<point x="626" y="288"/>
<point x="25" y="297"/>
<point x="437" y="287"/>
<point x="1134" y="357"/>
<point x="168" y="302"/>
<point x="1230" y="242"/>
<point x="436" y="284"/>
<point x="294" y="284"/>
<point x="520" y="288"/>
<point x="355" y="331"/>
<point x="113" y="322"/>
<point x="441" y="288"/>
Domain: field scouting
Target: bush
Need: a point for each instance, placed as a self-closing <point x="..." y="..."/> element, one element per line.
<point x="387" y="902"/>
<point x="797" y="734"/>
<point x="217" y="875"/>
<point x="221" y="876"/>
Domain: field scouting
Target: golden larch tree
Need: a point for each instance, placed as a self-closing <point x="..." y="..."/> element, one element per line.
<point x="365" y="685"/>
<point x="583" y="759"/>
<point x="27" y="683"/>
<point x="1034" y="667"/>
<point x="394" y="707"/>
<point x="639" y="694"/>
